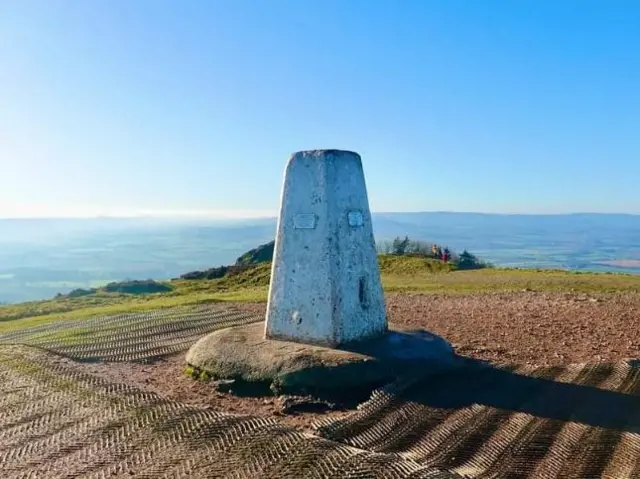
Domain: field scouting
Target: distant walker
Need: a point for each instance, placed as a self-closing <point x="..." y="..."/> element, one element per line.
<point x="325" y="283"/>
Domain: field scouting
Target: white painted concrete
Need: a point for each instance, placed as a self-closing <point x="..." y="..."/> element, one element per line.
<point x="325" y="283"/>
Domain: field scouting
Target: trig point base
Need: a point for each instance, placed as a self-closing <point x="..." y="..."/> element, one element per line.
<point x="325" y="283"/>
<point x="241" y="353"/>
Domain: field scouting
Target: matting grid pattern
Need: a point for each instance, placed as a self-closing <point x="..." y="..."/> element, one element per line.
<point x="580" y="420"/>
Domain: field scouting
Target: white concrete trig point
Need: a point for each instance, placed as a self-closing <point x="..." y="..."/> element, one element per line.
<point x="325" y="282"/>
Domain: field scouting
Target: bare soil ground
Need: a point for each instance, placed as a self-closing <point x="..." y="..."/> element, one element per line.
<point x="167" y="378"/>
<point x="526" y="327"/>
<point x="523" y="328"/>
<point x="529" y="327"/>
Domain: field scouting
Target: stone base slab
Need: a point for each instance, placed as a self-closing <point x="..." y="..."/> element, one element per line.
<point x="242" y="353"/>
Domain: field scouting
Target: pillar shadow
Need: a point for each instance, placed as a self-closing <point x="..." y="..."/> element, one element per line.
<point x="441" y="379"/>
<point x="580" y="400"/>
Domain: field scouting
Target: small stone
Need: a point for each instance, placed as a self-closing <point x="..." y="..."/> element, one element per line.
<point x="293" y="404"/>
<point x="224" y="385"/>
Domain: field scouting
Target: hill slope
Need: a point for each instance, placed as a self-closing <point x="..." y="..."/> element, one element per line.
<point x="399" y="274"/>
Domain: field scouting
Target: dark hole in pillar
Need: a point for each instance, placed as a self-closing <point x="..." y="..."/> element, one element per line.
<point x="362" y="292"/>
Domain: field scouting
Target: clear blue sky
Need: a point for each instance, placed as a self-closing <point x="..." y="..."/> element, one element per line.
<point x="114" y="106"/>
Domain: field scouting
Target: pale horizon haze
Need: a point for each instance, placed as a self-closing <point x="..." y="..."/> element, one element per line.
<point x="191" y="109"/>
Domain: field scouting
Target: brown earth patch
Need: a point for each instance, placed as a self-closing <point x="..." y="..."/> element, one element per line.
<point x="167" y="378"/>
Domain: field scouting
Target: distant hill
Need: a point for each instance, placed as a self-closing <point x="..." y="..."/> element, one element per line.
<point x="254" y="257"/>
<point x="257" y="255"/>
<point x="135" y="287"/>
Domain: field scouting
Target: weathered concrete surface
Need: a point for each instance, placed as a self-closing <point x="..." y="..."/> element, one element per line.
<point x="244" y="354"/>
<point x="325" y="284"/>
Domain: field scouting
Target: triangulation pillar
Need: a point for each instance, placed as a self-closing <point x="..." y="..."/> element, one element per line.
<point x="325" y="282"/>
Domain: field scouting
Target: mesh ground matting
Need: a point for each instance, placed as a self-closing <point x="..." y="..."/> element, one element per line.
<point x="580" y="421"/>
<point x="57" y="422"/>
<point x="137" y="337"/>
